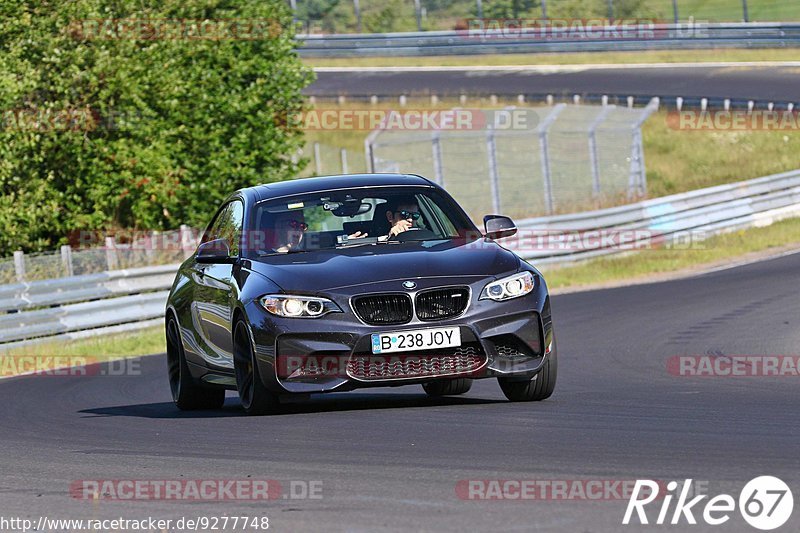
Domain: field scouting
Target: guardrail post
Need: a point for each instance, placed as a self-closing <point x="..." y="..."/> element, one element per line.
<point x="66" y="260"/>
<point x="19" y="265"/>
<point x="675" y="10"/>
<point x="343" y="156"/>
<point x="494" y="185"/>
<point x="111" y="254"/>
<point x="745" y="14"/>
<point x="436" y="149"/>
<point x="186" y="240"/>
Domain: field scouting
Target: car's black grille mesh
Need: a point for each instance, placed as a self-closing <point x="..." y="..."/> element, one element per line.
<point x="439" y="304"/>
<point x="428" y="363"/>
<point x="382" y="309"/>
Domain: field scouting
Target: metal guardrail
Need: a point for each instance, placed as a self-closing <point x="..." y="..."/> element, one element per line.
<point x="98" y="303"/>
<point x="43" y="309"/>
<point x="664" y="220"/>
<point x="456" y="42"/>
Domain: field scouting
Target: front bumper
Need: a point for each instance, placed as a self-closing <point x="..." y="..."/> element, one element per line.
<point x="499" y="339"/>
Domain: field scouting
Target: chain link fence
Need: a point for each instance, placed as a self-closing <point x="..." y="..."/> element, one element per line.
<point x="138" y="249"/>
<point x="570" y="158"/>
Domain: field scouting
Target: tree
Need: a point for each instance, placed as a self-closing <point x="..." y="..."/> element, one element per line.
<point x="122" y="116"/>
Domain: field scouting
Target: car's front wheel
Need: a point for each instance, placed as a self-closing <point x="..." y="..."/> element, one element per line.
<point x="186" y="393"/>
<point x="447" y="387"/>
<point x="540" y="387"/>
<point x="256" y="398"/>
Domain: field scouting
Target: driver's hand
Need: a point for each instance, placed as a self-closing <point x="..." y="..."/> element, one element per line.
<point x="400" y="227"/>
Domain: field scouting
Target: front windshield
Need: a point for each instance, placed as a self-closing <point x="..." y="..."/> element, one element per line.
<point x="339" y="219"/>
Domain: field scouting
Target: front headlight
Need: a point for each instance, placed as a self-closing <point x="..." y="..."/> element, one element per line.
<point x="508" y="288"/>
<point x="298" y="306"/>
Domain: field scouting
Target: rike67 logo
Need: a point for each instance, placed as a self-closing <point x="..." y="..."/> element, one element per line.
<point x="765" y="502"/>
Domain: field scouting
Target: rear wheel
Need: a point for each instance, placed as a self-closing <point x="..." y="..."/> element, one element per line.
<point x="186" y="393"/>
<point x="540" y="387"/>
<point x="447" y="387"/>
<point x="256" y="398"/>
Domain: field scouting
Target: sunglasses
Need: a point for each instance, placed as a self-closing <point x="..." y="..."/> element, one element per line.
<point x="413" y="215"/>
<point x="296" y="225"/>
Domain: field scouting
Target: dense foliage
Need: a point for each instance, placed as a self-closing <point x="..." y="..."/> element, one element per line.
<point x="117" y="115"/>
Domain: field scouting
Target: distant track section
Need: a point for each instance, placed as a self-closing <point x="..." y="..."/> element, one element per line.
<point x="492" y="40"/>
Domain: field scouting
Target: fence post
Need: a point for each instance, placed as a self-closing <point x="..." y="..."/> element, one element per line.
<point x="357" y="9"/>
<point x="637" y="182"/>
<point x="545" y="156"/>
<point x="19" y="265"/>
<point x="494" y="185"/>
<point x="610" y="9"/>
<point x="111" y="254"/>
<point x="186" y="240"/>
<point x="66" y="260"/>
<point x="317" y="160"/>
<point x="675" y="10"/>
<point x="594" y="159"/>
<point x="418" y="14"/>
<point x="343" y="155"/>
<point x="436" y="148"/>
<point x="744" y="11"/>
<point x="479" y="8"/>
<point x="544" y="9"/>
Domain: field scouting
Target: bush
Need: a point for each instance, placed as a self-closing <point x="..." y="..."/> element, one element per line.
<point x="111" y="125"/>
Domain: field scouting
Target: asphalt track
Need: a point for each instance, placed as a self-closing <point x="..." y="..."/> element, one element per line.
<point x="762" y="84"/>
<point x="391" y="459"/>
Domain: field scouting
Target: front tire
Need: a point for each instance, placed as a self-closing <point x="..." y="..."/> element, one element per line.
<point x="255" y="397"/>
<point x="538" y="388"/>
<point x="186" y="393"/>
<point x="447" y="387"/>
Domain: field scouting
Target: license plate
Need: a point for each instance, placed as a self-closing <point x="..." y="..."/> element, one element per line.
<point x="416" y="339"/>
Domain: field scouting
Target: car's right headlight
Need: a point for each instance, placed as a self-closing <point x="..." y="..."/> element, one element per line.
<point x="509" y="287"/>
<point x="289" y="306"/>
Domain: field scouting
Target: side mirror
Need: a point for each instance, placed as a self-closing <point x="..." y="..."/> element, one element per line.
<point x="216" y="251"/>
<point x="498" y="226"/>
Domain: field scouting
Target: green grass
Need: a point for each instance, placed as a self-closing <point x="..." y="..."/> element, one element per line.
<point x="101" y="348"/>
<point x="679" y="161"/>
<point x="578" y="58"/>
<point x="643" y="264"/>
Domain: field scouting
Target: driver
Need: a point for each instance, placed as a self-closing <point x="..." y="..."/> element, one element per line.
<point x="402" y="215"/>
<point x="289" y="228"/>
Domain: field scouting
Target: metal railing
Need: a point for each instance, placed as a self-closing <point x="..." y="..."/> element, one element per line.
<point x="455" y="42"/>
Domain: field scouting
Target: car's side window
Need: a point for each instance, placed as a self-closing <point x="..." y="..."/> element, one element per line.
<point x="227" y="225"/>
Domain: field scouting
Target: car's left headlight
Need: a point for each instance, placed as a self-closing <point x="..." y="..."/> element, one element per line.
<point x="509" y="287"/>
<point x="298" y="306"/>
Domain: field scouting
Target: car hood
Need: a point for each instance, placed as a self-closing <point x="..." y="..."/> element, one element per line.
<point x="322" y="270"/>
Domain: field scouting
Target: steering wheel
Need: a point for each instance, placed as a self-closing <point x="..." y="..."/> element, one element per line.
<point x="413" y="234"/>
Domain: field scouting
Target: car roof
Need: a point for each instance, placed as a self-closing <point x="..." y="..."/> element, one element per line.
<point x="327" y="183"/>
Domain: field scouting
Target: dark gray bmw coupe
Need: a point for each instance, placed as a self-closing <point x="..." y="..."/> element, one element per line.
<point x="344" y="282"/>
